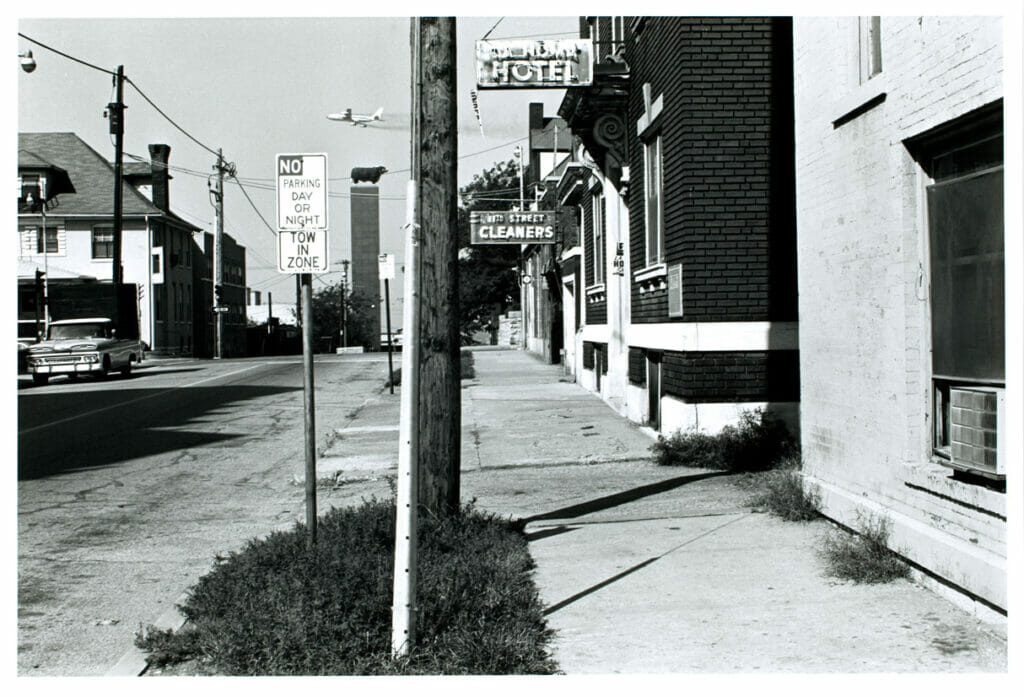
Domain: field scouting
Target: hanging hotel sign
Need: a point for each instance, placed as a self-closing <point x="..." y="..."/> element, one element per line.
<point x="302" y="213"/>
<point x="512" y="63"/>
<point x="512" y="227"/>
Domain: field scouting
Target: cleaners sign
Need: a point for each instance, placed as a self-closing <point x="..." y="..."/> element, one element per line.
<point x="302" y="213"/>
<point x="512" y="227"/>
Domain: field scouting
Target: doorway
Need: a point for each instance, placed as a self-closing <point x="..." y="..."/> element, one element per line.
<point x="654" y="390"/>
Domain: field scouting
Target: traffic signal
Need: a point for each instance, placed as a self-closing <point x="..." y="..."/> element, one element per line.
<point x="39" y="279"/>
<point x="218" y="291"/>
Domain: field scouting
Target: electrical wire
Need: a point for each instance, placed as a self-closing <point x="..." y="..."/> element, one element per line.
<point x="69" y="57"/>
<point x="492" y="28"/>
<point x="257" y="210"/>
<point x="169" y="119"/>
<point x="543" y="36"/>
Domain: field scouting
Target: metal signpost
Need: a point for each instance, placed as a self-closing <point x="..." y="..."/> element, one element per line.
<point x="302" y="249"/>
<point x="386" y="270"/>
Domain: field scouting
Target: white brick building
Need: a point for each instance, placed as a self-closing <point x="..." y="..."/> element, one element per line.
<point x="899" y="165"/>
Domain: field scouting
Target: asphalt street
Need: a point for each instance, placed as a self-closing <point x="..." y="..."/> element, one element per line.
<point x="129" y="488"/>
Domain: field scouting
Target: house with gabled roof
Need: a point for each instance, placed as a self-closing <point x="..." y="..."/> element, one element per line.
<point x="159" y="255"/>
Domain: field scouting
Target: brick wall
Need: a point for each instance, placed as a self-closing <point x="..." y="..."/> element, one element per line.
<point x="863" y="301"/>
<point x="731" y="376"/>
<point x="727" y="145"/>
<point x="863" y="258"/>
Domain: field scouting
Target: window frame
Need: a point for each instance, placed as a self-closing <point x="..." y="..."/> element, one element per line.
<point x="654" y="240"/>
<point x="967" y="147"/>
<point x="41" y="236"/>
<point x="869" y="42"/>
<point x="597" y="236"/>
<point x="102" y="230"/>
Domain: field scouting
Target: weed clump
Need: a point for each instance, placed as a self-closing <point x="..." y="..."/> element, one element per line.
<point x="397" y="378"/>
<point x="279" y="608"/>
<point x="757" y="443"/>
<point x="782" y="493"/>
<point x="864" y="557"/>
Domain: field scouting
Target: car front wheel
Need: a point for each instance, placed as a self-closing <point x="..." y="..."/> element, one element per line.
<point x="40" y="379"/>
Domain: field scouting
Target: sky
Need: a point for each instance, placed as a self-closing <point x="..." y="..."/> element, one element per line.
<point x="260" y="86"/>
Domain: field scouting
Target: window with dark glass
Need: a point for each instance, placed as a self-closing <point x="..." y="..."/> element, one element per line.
<point x="103" y="243"/>
<point x="50" y="246"/>
<point x="967" y="286"/>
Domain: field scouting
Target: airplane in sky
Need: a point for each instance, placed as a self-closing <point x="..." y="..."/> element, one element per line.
<point x="358" y="119"/>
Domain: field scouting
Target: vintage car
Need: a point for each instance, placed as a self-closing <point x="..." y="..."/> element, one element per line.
<point x="82" y="346"/>
<point x="396" y="338"/>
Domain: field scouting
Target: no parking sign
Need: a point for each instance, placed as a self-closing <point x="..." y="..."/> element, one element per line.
<point x="302" y="213"/>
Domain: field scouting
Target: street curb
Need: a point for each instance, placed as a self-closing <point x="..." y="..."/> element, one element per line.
<point x="133" y="663"/>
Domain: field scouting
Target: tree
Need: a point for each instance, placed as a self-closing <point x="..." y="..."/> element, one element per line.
<point x="488" y="275"/>
<point x="327" y="321"/>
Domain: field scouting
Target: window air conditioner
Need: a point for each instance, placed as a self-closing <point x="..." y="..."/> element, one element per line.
<point x="977" y="429"/>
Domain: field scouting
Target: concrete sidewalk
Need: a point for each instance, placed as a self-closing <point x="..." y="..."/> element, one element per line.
<point x="646" y="569"/>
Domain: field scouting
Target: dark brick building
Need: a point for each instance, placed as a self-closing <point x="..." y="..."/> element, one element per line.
<point x="684" y="195"/>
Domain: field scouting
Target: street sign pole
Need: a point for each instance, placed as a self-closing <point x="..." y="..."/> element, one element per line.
<point x="386" y="271"/>
<point x="308" y="405"/>
<point x="302" y="250"/>
<point x="391" y="342"/>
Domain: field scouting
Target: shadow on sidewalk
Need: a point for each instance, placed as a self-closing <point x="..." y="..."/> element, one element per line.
<point x="613" y="500"/>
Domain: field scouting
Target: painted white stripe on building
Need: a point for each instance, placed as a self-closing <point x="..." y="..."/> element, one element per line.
<point x="711" y="336"/>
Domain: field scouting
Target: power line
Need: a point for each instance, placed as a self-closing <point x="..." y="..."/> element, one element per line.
<point x="257" y="210"/>
<point x="543" y="36"/>
<point x="492" y="28"/>
<point x="69" y="57"/>
<point x="130" y="82"/>
<point x="169" y="119"/>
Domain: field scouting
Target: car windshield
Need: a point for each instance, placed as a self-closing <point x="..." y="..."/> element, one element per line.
<point x="90" y="330"/>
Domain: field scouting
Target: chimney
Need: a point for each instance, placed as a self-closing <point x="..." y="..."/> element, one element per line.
<point x="536" y="116"/>
<point x="161" y="179"/>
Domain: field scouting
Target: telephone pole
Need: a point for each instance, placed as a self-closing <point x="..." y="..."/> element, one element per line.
<point x="218" y="253"/>
<point x="115" y="111"/>
<point x="440" y="396"/>
<point x="344" y="309"/>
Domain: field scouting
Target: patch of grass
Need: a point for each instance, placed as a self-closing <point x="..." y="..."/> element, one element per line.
<point x="864" y="557"/>
<point x="757" y="443"/>
<point x="277" y="608"/>
<point x="782" y="493"/>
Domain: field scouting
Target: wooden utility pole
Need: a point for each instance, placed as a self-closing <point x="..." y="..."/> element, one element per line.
<point x="115" y="111"/>
<point x="440" y="402"/>
<point x="218" y="260"/>
<point x="430" y="421"/>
